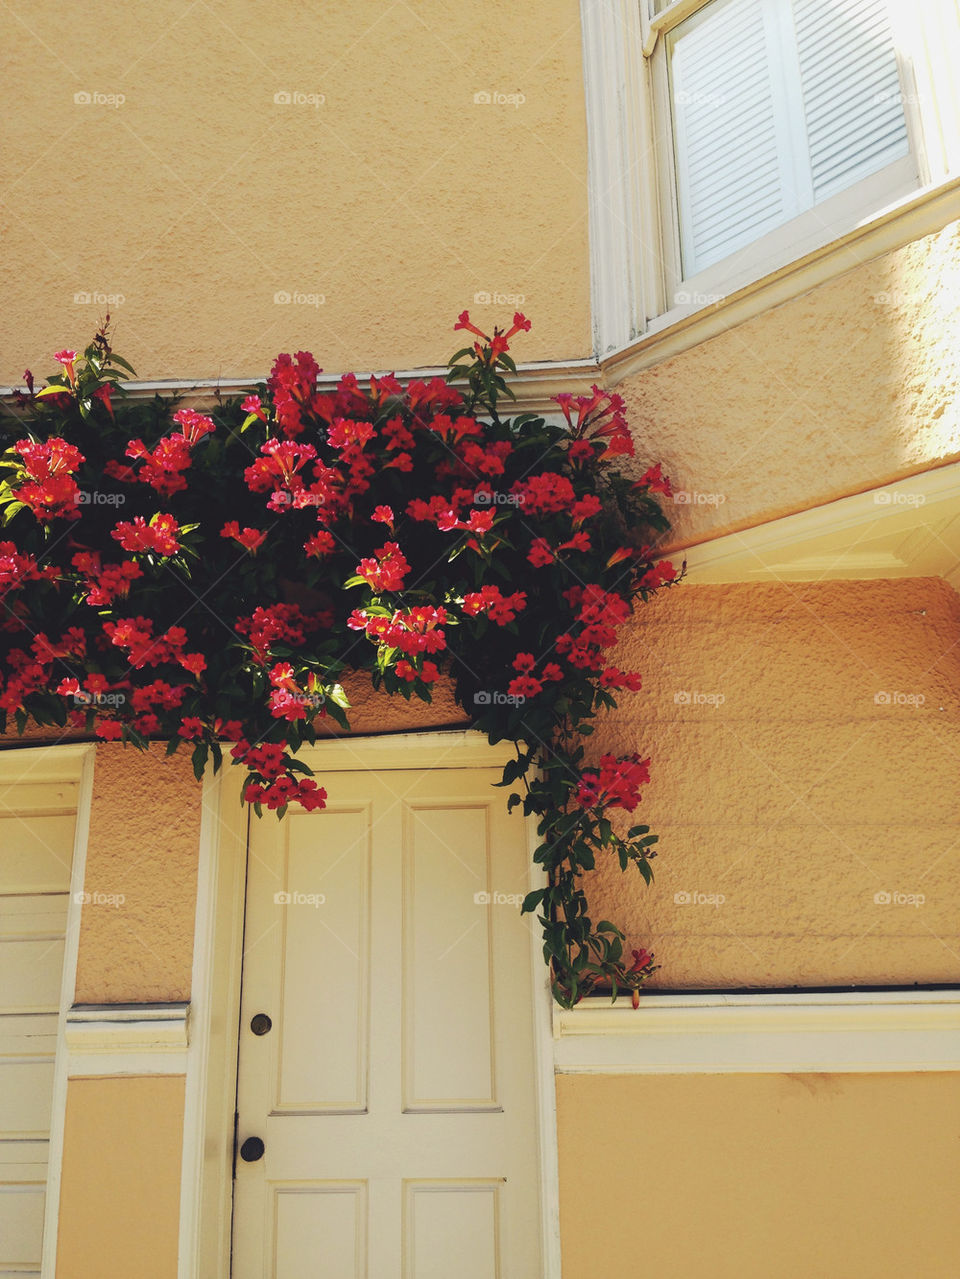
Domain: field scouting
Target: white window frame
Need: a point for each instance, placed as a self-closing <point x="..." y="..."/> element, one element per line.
<point x="634" y="227"/>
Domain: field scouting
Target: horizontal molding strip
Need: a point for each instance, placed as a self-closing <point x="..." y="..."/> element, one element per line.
<point x="719" y="1034"/>
<point x="127" y="1039"/>
<point x="535" y="384"/>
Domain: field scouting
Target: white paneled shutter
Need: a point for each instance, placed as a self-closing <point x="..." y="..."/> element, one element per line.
<point x="777" y="105"/>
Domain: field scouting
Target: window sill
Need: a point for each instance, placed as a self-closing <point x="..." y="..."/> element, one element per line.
<point x="680" y="329"/>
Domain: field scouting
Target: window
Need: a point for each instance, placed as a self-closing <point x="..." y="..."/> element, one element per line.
<point x="780" y="114"/>
<point x="732" y="139"/>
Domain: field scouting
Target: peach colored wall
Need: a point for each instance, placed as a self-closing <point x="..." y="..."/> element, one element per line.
<point x="143" y="847"/>
<point x="760" y="1176"/>
<point x="836" y="391"/>
<point x="120" y="1181"/>
<point x="199" y="198"/>
<point x="798" y="799"/>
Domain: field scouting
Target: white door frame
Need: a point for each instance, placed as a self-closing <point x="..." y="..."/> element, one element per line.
<point x="207" y="1185"/>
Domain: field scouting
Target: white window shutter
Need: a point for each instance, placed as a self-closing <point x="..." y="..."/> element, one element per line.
<point x="732" y="128"/>
<point x="851" y="91"/>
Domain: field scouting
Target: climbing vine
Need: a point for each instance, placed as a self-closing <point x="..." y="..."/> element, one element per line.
<point x="209" y="579"/>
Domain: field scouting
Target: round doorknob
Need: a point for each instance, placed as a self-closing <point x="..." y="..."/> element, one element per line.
<point x="252" y="1150"/>
<point x="260" y="1023"/>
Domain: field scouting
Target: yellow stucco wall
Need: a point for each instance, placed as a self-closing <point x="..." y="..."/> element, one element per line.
<point x="791" y="793"/>
<point x="199" y="198"/>
<point x="120" y="1183"/>
<point x="836" y="391"/>
<point x="143" y="848"/>
<point x="760" y="1176"/>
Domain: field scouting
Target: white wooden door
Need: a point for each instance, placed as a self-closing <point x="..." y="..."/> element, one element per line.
<point x="38" y="806"/>
<point x="395" y="1092"/>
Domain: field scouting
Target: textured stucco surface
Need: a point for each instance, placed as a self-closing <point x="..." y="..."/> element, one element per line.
<point x="798" y="798"/>
<point x="143" y="846"/>
<point x="836" y="391"/>
<point x="199" y="198"/>
<point x="120" y="1180"/>
<point x="759" y="1176"/>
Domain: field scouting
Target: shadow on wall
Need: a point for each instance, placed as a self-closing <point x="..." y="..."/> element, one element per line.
<point x="842" y="389"/>
<point x="805" y="741"/>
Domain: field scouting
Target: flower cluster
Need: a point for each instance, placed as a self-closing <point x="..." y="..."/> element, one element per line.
<point x="237" y="565"/>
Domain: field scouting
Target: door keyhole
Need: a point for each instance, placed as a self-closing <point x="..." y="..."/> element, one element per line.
<point x="260" y="1023"/>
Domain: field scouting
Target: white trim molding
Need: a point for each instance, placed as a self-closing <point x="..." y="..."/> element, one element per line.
<point x="127" y="1039"/>
<point x="761" y="1033"/>
<point x="534" y="385"/>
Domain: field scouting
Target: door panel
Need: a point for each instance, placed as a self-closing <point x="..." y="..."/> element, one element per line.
<point x="395" y="1089"/>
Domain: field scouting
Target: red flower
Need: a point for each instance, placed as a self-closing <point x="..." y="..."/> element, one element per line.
<point x="250" y="539"/>
<point x="541" y="553"/>
<point x="50" y="492"/>
<point x="159" y="536"/>
<point x="501" y="608"/>
<point x="252" y="405"/>
<point x="67" y="358"/>
<point x="383" y="515"/>
<point x="653" y="480"/>
<point x="191" y="728"/>
<point x="524" y="662"/>
<point x="616" y="785"/>
<point x="321" y="543"/>
<point x="386" y="571"/>
<point x="109" y="730"/>
<point x="524" y="686"/>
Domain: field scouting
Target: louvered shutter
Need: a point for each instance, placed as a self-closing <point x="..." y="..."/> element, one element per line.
<point x="729" y="122"/>
<point x="851" y="91"/>
<point x="776" y="107"/>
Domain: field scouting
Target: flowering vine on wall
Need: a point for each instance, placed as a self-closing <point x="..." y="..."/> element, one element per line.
<point x="209" y="579"/>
